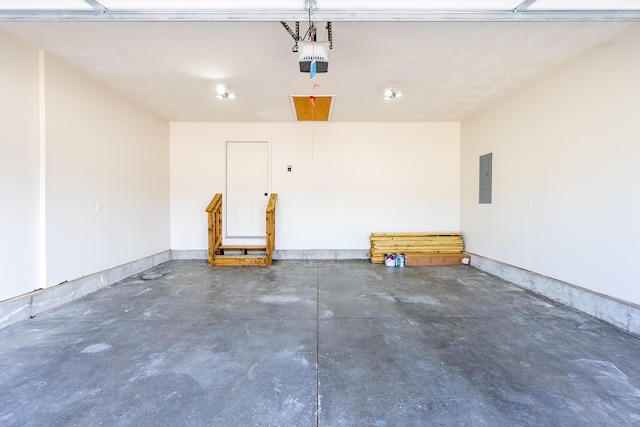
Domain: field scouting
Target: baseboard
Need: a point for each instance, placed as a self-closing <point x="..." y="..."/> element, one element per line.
<point x="30" y="305"/>
<point x="622" y="314"/>
<point x="189" y="254"/>
<point x="285" y="254"/>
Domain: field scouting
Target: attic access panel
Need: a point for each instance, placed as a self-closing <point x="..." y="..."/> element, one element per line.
<point x="316" y="109"/>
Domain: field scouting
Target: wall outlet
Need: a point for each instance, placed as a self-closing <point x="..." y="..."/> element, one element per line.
<point x="98" y="206"/>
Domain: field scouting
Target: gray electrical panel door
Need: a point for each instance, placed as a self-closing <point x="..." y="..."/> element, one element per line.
<point x="485" y="178"/>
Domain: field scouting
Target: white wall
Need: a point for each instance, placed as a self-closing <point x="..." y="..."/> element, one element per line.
<point x="374" y="176"/>
<point x="101" y="148"/>
<point x="569" y="144"/>
<point x="18" y="168"/>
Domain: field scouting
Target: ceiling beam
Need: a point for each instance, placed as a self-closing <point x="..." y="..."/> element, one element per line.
<point x="319" y="15"/>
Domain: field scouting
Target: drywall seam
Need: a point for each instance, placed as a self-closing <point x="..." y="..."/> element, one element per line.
<point x="42" y="177"/>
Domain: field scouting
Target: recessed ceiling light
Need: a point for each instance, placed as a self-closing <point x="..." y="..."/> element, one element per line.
<point x="221" y="92"/>
<point x="390" y="93"/>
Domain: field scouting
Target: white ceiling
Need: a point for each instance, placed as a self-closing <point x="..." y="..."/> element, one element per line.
<point x="447" y="70"/>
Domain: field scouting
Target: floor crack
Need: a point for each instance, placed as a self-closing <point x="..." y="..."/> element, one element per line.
<point x="318" y="345"/>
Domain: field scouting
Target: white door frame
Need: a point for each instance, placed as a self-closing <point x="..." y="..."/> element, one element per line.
<point x="245" y="240"/>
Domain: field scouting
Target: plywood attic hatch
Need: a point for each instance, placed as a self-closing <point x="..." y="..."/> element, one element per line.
<point x="315" y="109"/>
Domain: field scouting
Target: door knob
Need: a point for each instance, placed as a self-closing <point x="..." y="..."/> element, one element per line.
<point x="265" y="194"/>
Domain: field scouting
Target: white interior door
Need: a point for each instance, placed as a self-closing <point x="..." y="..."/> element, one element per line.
<point x="247" y="188"/>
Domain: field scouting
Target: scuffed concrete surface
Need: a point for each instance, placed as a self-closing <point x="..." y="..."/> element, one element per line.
<point x="621" y="314"/>
<point x="327" y="343"/>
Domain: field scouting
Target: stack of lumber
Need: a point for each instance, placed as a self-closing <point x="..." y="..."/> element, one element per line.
<point x="420" y="248"/>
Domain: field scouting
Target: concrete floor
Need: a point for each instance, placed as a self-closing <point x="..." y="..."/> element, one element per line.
<point x="306" y="343"/>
